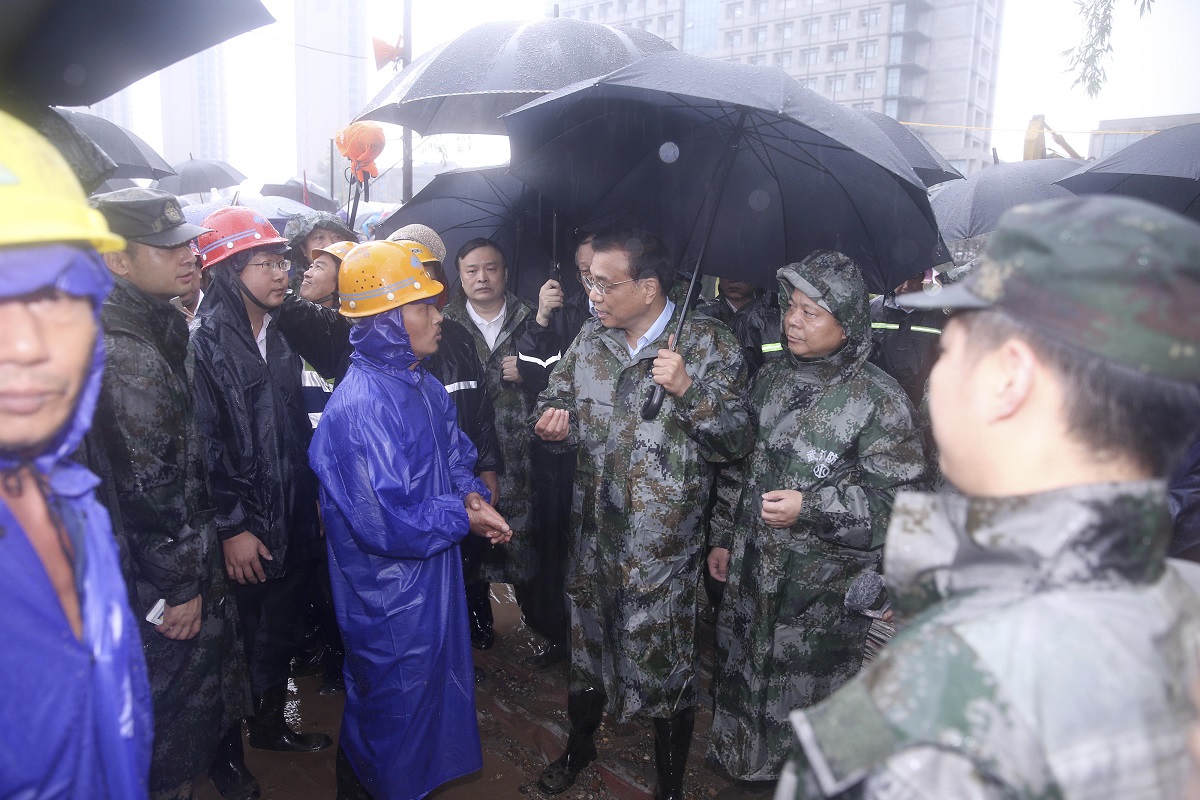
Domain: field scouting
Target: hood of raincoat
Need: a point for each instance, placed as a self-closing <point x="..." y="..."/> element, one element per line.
<point x="382" y="342"/>
<point x="79" y="272"/>
<point x="837" y="281"/>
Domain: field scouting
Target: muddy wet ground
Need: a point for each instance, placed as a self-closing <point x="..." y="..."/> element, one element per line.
<point x="523" y="726"/>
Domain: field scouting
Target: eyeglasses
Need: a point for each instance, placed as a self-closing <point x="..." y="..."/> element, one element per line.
<point x="277" y="266"/>
<point x="593" y="285"/>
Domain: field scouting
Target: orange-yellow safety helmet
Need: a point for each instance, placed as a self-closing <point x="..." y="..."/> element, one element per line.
<point x="379" y="276"/>
<point x="338" y="250"/>
<point x="423" y="253"/>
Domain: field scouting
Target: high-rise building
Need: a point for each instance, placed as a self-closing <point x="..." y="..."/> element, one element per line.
<point x="332" y="47"/>
<point x="195" y="119"/>
<point x="922" y="61"/>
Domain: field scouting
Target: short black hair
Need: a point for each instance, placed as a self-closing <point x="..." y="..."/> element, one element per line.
<point x="477" y="243"/>
<point x="648" y="256"/>
<point x="1114" y="409"/>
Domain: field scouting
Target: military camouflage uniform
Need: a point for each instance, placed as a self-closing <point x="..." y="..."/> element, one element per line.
<point x="145" y="444"/>
<point x="640" y="488"/>
<point x="516" y="561"/>
<point x="841" y="431"/>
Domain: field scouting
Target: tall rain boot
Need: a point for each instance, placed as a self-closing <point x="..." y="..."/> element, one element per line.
<point x="348" y="785"/>
<point x="585" y="710"/>
<point x="479" y="612"/>
<point x="672" y="738"/>
<point x="270" y="731"/>
<point x="228" y="770"/>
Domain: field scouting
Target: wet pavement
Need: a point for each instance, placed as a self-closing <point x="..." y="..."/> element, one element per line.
<point x="523" y="726"/>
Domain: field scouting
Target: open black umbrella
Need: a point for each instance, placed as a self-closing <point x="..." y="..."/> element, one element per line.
<point x="276" y="209"/>
<point x="310" y="194"/>
<point x="973" y="207"/>
<point x="928" y="163"/>
<point x="199" y="175"/>
<point x="738" y="164"/>
<point x="464" y="85"/>
<point x="1163" y="169"/>
<point x="78" y="52"/>
<point x="133" y="157"/>
<point x="464" y="204"/>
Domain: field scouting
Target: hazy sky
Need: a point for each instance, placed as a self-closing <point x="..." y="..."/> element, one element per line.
<point x="1154" y="71"/>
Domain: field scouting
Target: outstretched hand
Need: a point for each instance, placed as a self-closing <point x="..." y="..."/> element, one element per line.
<point x="554" y="425"/>
<point x="486" y="521"/>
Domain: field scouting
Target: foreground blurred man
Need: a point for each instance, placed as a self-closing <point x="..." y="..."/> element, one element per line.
<point x="1049" y="648"/>
<point x="398" y="493"/>
<point x="75" y="716"/>
<point x="145" y="444"/>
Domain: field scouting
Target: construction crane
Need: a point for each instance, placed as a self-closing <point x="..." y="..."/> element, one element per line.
<point x="1035" y="140"/>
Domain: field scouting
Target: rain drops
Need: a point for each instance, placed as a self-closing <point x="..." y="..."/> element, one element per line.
<point x="759" y="200"/>
<point x="668" y="152"/>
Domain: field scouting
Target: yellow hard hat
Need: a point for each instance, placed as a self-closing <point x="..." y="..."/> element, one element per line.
<point x="379" y="276"/>
<point x="41" y="201"/>
<point x="338" y="250"/>
<point x="423" y="253"/>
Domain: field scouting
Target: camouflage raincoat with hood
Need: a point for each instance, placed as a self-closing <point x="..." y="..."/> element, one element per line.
<point x="840" y="431"/>
<point x="633" y="561"/>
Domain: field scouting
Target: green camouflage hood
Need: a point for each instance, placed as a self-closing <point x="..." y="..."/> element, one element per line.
<point x="835" y="282"/>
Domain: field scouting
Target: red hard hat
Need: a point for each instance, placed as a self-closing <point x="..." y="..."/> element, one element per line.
<point x="235" y="229"/>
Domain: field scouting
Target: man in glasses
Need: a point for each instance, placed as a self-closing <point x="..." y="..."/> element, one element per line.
<point x="640" y="491"/>
<point x="256" y="435"/>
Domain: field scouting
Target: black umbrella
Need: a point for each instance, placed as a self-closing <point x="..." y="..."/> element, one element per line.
<point x="973" y="207"/>
<point x="78" y="52"/>
<point x="113" y="184"/>
<point x="928" y="163"/>
<point x="310" y="194"/>
<point x="199" y="175"/>
<point x="133" y="157"/>
<point x="1163" y="169"/>
<point x="464" y="204"/>
<point x="741" y="158"/>
<point x="464" y="85"/>
<point x="276" y="209"/>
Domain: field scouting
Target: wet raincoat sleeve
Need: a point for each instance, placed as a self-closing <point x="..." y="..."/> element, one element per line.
<point x="713" y="411"/>
<point x="229" y="482"/>
<point x="729" y="482"/>
<point x="320" y="335"/>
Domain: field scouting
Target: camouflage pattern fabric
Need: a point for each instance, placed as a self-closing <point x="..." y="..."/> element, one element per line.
<point x="515" y="562"/>
<point x="1048" y="651"/>
<point x="640" y="488"/>
<point x="145" y="444"/>
<point x="841" y="431"/>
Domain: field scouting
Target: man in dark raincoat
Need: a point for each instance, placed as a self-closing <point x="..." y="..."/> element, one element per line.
<point x="75" y="718"/>
<point x="836" y="439"/>
<point x="146" y="445"/>
<point x="398" y="493"/>
<point x="1047" y="648"/>
<point x="640" y="490"/>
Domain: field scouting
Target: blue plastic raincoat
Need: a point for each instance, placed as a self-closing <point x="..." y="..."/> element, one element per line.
<point x="394" y="469"/>
<point x="75" y="717"/>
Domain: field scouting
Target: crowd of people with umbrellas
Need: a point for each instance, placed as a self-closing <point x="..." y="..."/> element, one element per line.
<point x="930" y="528"/>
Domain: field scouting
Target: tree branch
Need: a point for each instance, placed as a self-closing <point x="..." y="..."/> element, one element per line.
<point x="1087" y="59"/>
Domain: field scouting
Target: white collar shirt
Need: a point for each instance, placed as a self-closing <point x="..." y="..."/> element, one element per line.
<point x="489" y="329"/>
<point x="655" y="331"/>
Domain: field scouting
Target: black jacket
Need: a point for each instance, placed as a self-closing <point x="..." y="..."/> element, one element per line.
<point x="322" y="337"/>
<point x="255" y="431"/>
<point x="906" y="344"/>
<point x="539" y="349"/>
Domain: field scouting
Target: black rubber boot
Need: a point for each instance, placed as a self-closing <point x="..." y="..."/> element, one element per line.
<point x="348" y="785"/>
<point x="479" y="612"/>
<point x="585" y="710"/>
<point x="270" y="731"/>
<point x="554" y="653"/>
<point x="228" y="771"/>
<point x="672" y="738"/>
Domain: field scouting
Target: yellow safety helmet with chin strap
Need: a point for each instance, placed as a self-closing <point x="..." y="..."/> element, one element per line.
<point x="382" y="275"/>
<point x="423" y="253"/>
<point x="338" y="250"/>
<point x="41" y="201"/>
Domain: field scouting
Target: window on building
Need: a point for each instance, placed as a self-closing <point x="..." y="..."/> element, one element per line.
<point x="867" y="106"/>
<point x="892" y="109"/>
<point x="864" y="80"/>
<point x="835" y="83"/>
<point x="783" y="60"/>
<point x="622" y="7"/>
<point x="762" y="7"/>
<point x="667" y="23"/>
<point x="895" y="50"/>
<point x="585" y="13"/>
<point x="733" y="38"/>
<point x="868" y="49"/>
<point x="787" y="5"/>
<point x="809" y="83"/>
<point x="838" y="52"/>
<point x="810" y="57"/>
<point x="602" y="11"/>
<point x="981" y="92"/>
<point x="759" y="35"/>
<point x="786" y="30"/>
<point x="734" y="10"/>
<point x="868" y="17"/>
<point x="893" y="82"/>
<point x="758" y="61"/>
<point x="812" y="27"/>
<point x="839" y="22"/>
<point x="985" y="61"/>
<point x="989" y="28"/>
<point x="898" y="17"/>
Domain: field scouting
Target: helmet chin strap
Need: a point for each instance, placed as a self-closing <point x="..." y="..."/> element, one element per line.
<point x="249" y="295"/>
<point x="323" y="300"/>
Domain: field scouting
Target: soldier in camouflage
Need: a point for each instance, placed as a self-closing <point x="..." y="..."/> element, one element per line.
<point x="146" y="445"/>
<point x="640" y="489"/>
<point x="836" y="439"/>
<point x="1047" y="647"/>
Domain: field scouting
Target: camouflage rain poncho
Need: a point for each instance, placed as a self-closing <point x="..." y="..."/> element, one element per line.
<point x="841" y="431"/>
<point x="640" y="488"/>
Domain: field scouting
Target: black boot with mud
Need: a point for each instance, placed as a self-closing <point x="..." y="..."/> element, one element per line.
<point x="585" y="710"/>
<point x="479" y="613"/>
<point x="270" y="731"/>
<point x="228" y="771"/>
<point x="672" y="738"/>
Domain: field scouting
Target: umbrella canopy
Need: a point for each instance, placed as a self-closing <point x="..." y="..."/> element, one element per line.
<point x="308" y="193"/>
<point x="1163" y="169"/>
<point x="276" y="209"/>
<point x="464" y="85"/>
<point x="928" y="163"/>
<point x="465" y="204"/>
<point x="78" y="52"/>
<point x="973" y="207"/>
<point x="741" y="158"/>
<point x="198" y="175"/>
<point x="133" y="157"/>
<point x="114" y="184"/>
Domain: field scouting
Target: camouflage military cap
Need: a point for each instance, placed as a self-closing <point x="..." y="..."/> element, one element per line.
<point x="1114" y="276"/>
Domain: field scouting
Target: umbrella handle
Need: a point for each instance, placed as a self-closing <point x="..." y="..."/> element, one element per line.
<point x="654" y="402"/>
